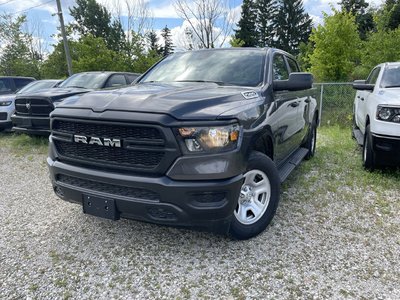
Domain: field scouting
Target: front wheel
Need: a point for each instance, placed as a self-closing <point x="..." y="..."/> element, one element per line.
<point x="311" y="142"/>
<point x="369" y="156"/>
<point x="258" y="199"/>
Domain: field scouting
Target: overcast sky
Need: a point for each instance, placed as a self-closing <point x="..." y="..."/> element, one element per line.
<point x="163" y="13"/>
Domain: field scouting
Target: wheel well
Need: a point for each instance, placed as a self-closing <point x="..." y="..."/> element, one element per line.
<point x="264" y="145"/>
<point x="367" y="121"/>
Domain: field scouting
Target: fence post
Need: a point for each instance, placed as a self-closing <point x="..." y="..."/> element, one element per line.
<point x="320" y="104"/>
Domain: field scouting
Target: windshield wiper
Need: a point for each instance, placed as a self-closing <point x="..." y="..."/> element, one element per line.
<point x="391" y="86"/>
<point x="205" y="81"/>
<point x="75" y="86"/>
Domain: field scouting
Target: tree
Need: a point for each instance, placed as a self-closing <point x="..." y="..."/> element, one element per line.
<point x="364" y="18"/>
<point x="293" y="26"/>
<point x="337" y="46"/>
<point x="93" y="18"/>
<point x="247" y="32"/>
<point x="168" y="47"/>
<point x="152" y="40"/>
<point x="266" y="14"/>
<point x="209" y="20"/>
<point x="16" y="58"/>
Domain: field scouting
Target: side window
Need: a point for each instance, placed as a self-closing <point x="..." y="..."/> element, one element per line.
<point x="5" y="86"/>
<point x="292" y="65"/>
<point x="130" y="78"/>
<point x="279" y="69"/>
<point x="373" y="77"/>
<point x="21" y="82"/>
<point x="116" y="80"/>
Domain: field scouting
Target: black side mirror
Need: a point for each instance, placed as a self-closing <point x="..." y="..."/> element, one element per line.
<point x="362" y="86"/>
<point x="297" y="81"/>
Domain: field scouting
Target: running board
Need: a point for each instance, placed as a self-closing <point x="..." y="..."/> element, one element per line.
<point x="293" y="161"/>
<point x="358" y="136"/>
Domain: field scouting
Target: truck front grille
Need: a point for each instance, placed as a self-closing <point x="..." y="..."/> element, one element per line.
<point x="143" y="148"/>
<point x="33" y="107"/>
<point x="118" y="190"/>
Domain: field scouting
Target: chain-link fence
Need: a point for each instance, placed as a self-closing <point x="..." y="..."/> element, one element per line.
<point x="336" y="106"/>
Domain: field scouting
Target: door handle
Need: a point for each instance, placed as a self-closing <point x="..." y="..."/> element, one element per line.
<point x="362" y="98"/>
<point x="358" y="97"/>
<point x="294" y="104"/>
<point x="307" y="100"/>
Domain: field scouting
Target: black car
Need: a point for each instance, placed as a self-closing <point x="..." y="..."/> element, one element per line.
<point x="11" y="84"/>
<point x="32" y="110"/>
<point x="204" y="138"/>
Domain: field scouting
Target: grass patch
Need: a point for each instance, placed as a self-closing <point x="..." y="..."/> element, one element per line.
<point x="22" y="144"/>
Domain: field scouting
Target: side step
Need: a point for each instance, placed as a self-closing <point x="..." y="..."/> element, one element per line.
<point x="293" y="161"/>
<point x="358" y="136"/>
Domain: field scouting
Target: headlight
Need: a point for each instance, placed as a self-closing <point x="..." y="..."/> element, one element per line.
<point x="5" y="103"/>
<point x="209" y="139"/>
<point x="388" y="113"/>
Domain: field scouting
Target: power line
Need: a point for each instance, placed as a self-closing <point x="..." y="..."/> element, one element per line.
<point x="28" y="9"/>
<point x="6" y="2"/>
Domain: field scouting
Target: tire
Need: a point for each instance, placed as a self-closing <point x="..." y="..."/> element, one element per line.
<point x="255" y="210"/>
<point x="311" y="142"/>
<point x="369" y="157"/>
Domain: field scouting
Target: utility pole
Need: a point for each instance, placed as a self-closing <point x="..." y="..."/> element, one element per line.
<point x="64" y="36"/>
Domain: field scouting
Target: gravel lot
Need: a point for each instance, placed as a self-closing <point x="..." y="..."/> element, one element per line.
<point x="319" y="246"/>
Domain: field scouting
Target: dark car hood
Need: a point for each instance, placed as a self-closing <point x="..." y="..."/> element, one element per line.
<point x="179" y="100"/>
<point x="55" y="94"/>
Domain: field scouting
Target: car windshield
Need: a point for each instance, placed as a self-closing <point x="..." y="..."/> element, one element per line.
<point x="85" y="81"/>
<point x="391" y="77"/>
<point x="243" y="67"/>
<point x="37" y="85"/>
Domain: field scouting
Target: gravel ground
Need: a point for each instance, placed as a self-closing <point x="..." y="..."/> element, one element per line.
<point x="316" y="248"/>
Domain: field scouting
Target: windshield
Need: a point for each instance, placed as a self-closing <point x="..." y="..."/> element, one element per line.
<point x="37" y="85"/>
<point x="391" y="77"/>
<point x="243" y="67"/>
<point x="85" y="80"/>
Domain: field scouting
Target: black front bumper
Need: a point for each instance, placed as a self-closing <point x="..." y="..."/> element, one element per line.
<point x="31" y="125"/>
<point x="388" y="147"/>
<point x="205" y="204"/>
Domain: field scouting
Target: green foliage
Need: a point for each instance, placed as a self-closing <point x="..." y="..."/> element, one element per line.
<point x="168" y="47"/>
<point x="16" y="57"/>
<point x="93" y="18"/>
<point x="266" y="16"/>
<point x="246" y="31"/>
<point x="337" y="45"/>
<point x="364" y="18"/>
<point x="152" y="39"/>
<point x="382" y="46"/>
<point x="235" y="42"/>
<point x="55" y="66"/>
<point x="292" y="25"/>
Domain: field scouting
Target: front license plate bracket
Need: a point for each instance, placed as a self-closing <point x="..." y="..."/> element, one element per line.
<point x="100" y="207"/>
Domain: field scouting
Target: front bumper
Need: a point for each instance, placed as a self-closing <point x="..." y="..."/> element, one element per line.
<point x="388" y="145"/>
<point x="5" y="116"/>
<point x="205" y="204"/>
<point x="31" y="125"/>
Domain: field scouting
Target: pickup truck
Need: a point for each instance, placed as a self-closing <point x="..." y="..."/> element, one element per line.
<point x="32" y="110"/>
<point x="203" y="139"/>
<point x="376" y="117"/>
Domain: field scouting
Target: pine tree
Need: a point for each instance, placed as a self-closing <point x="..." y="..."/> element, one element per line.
<point x="292" y="25"/>
<point x="246" y="31"/>
<point x="266" y="13"/>
<point x="364" y="18"/>
<point x="393" y="14"/>
<point x="168" y="47"/>
<point x="153" y="42"/>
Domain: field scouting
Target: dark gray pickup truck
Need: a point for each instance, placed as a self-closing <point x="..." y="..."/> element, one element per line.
<point x="204" y="139"/>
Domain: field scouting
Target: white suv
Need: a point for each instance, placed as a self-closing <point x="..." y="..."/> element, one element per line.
<point x="376" y="118"/>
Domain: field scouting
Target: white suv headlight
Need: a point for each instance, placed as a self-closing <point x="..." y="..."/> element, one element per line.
<point x="5" y="103"/>
<point x="388" y="113"/>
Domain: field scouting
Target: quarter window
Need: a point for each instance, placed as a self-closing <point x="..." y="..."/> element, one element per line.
<point x="280" y="70"/>
<point x="373" y="77"/>
<point x="292" y="65"/>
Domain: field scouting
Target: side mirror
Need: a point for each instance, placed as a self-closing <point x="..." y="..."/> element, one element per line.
<point x="362" y="86"/>
<point x="297" y="81"/>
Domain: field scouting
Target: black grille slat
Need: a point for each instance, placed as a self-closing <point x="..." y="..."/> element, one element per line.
<point x="131" y="192"/>
<point x="105" y="130"/>
<point x="109" y="155"/>
<point x="3" y="116"/>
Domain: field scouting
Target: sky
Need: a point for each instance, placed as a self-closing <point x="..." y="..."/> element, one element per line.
<point x="43" y="20"/>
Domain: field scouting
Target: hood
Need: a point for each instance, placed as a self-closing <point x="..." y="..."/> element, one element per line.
<point x="389" y="96"/>
<point x="55" y="94"/>
<point x="179" y="100"/>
